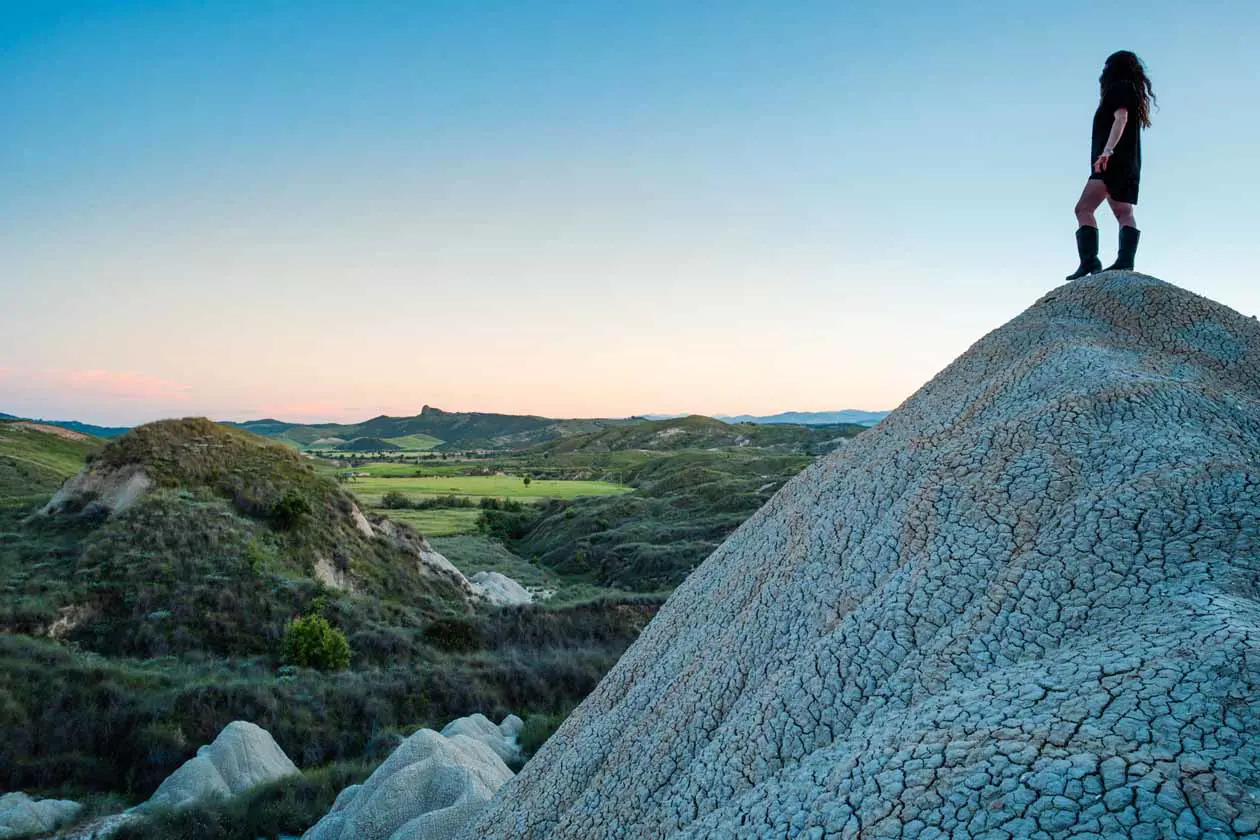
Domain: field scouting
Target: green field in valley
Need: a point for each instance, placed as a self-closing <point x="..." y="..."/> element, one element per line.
<point x="438" y="522"/>
<point x="370" y="489"/>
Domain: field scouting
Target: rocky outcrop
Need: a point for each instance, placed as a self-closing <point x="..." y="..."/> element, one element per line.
<point x="110" y="490"/>
<point x="22" y="815"/>
<point x="499" y="589"/>
<point x="241" y="757"/>
<point x="1027" y="604"/>
<point x="428" y="789"/>
<point x="499" y="737"/>
<point x="361" y="522"/>
<point x="429" y="560"/>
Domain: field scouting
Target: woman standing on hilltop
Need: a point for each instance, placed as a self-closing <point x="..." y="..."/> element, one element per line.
<point x="1124" y="109"/>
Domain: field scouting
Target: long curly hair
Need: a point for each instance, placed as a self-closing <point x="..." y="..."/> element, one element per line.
<point x="1124" y="66"/>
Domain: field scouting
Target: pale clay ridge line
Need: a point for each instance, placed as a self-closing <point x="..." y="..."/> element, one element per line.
<point x="1024" y="605"/>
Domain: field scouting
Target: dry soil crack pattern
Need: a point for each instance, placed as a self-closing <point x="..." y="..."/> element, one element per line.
<point x="1027" y="604"/>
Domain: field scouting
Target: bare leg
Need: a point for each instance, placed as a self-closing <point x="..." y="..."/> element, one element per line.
<point x="1092" y="196"/>
<point x="1124" y="212"/>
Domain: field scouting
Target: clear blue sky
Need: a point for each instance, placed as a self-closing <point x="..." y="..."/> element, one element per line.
<point x="329" y="210"/>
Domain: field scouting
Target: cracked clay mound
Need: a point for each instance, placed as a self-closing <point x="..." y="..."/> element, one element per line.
<point x="1025" y="605"/>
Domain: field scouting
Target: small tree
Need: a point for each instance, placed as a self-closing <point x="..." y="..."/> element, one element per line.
<point x="289" y="512"/>
<point x="311" y="642"/>
<point x="394" y="500"/>
<point x="528" y="480"/>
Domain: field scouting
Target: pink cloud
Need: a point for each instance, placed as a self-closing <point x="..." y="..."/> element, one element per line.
<point x="125" y="385"/>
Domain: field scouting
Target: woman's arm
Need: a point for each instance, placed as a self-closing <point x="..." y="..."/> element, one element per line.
<point x="1117" y="131"/>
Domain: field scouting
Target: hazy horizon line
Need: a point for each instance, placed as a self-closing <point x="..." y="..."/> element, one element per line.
<point x="263" y="417"/>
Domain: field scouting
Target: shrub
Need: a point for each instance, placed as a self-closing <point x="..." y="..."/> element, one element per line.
<point x="536" y="731"/>
<point x="393" y="500"/>
<point x="456" y="635"/>
<point x="311" y="642"/>
<point x="290" y="511"/>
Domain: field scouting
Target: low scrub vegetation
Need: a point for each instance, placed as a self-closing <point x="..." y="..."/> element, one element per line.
<point x="311" y="642"/>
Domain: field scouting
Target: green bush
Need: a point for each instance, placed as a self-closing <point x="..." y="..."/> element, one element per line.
<point x="393" y="500"/>
<point x="536" y="731"/>
<point x="290" y="511"/>
<point x="454" y="635"/>
<point x="311" y="642"/>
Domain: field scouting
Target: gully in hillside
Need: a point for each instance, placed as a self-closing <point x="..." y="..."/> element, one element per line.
<point x="1124" y="109"/>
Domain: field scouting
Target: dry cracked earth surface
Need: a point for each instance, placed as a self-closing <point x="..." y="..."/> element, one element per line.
<point x="1025" y="605"/>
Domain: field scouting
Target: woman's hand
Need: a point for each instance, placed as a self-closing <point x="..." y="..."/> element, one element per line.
<point x="1100" y="165"/>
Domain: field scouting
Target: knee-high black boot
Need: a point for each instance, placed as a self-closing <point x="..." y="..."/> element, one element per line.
<point x="1128" y="249"/>
<point x="1087" y="248"/>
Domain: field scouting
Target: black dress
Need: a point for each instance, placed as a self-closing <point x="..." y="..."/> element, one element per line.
<point x="1124" y="170"/>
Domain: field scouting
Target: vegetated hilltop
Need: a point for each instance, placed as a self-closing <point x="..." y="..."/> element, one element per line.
<point x="699" y="432"/>
<point x="685" y="502"/>
<point x="1025" y="605"/>
<point x="73" y="426"/>
<point x="197" y="536"/>
<point x="35" y="459"/>
<point x="368" y="444"/>
<point x="456" y="430"/>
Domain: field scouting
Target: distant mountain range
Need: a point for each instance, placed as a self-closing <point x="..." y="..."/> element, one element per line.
<point x="449" y="429"/>
<point x="74" y="426"/>
<point x="478" y="430"/>
<point x="796" y="418"/>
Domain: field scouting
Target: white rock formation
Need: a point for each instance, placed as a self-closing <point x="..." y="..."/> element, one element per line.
<point x="241" y="757"/>
<point x="429" y="561"/>
<point x="499" y="589"/>
<point x="499" y="737"/>
<point x="115" y="490"/>
<point x="327" y="573"/>
<point x="361" y="522"/>
<point x="428" y="789"/>
<point x="22" y="815"/>
<point x="1027" y="605"/>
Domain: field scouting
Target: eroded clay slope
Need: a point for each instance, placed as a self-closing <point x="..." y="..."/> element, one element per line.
<point x="1025" y="605"/>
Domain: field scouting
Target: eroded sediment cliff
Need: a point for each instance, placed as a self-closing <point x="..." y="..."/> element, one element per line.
<point x="1025" y="605"/>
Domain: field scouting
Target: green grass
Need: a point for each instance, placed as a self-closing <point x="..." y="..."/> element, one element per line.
<point x="34" y="463"/>
<point x="371" y="489"/>
<point x="438" y="522"/>
<point x="416" y="443"/>
<point x="405" y="444"/>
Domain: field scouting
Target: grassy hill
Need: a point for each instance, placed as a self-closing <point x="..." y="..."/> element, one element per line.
<point x="685" y="504"/>
<point x="35" y="459"/>
<point x="696" y="480"/>
<point x="369" y="444"/>
<point x="73" y="426"/>
<point x="227" y="547"/>
<point x="699" y="432"/>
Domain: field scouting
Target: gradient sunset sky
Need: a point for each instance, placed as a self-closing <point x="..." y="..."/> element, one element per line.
<point x="327" y="211"/>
